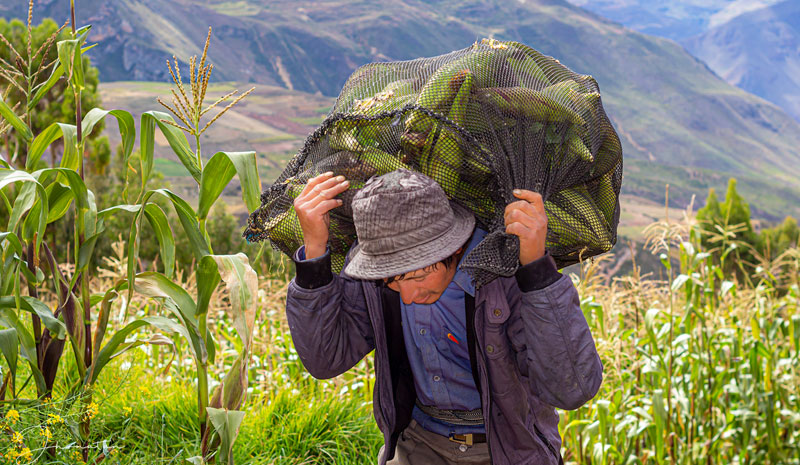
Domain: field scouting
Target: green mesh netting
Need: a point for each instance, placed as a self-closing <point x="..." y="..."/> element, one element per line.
<point x="481" y="121"/>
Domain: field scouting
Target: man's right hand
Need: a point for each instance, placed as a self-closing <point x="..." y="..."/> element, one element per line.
<point x="313" y="206"/>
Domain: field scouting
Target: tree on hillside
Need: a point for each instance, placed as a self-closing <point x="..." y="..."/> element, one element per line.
<point x="728" y="233"/>
<point x="727" y="230"/>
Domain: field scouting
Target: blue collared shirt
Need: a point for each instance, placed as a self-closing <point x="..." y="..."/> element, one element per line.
<point x="436" y="342"/>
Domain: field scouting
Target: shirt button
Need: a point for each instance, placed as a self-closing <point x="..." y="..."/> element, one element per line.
<point x="436" y="378"/>
<point x="497" y="312"/>
<point x="422" y="331"/>
<point x="463" y="447"/>
<point x="490" y="349"/>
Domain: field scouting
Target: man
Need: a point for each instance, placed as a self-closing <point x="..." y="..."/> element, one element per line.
<point x="462" y="375"/>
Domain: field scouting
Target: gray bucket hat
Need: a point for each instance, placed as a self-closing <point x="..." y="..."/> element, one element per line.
<point x="404" y="222"/>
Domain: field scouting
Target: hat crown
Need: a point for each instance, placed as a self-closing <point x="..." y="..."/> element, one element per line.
<point x="400" y="210"/>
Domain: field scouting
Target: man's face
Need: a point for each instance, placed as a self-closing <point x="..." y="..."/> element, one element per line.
<point x="424" y="286"/>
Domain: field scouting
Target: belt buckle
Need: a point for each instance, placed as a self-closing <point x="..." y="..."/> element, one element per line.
<point x="465" y="439"/>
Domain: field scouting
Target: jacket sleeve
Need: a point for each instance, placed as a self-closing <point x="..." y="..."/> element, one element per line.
<point x="328" y="318"/>
<point x="557" y="352"/>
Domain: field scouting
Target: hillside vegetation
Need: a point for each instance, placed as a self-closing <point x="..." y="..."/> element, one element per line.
<point x="674" y="115"/>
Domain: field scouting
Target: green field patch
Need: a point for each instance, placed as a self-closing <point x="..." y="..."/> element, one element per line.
<point x="169" y="168"/>
<point x="272" y="139"/>
<point x="309" y="121"/>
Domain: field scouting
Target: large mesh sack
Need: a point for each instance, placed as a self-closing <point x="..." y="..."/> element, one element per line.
<point x="481" y="121"/>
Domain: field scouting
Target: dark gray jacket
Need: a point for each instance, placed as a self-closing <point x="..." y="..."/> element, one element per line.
<point x="532" y="351"/>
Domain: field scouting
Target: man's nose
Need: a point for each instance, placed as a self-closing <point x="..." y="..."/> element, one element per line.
<point x="407" y="296"/>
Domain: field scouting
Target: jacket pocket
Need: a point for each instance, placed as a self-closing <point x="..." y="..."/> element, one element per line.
<point x="496" y="340"/>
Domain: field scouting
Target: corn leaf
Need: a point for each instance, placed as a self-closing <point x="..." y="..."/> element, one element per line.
<point x="176" y="139"/>
<point x="127" y="128"/>
<point x="242" y="284"/>
<point x="25" y="200"/>
<point x="86" y="252"/>
<point x="9" y="319"/>
<point x="166" y="241"/>
<point x="158" y="221"/>
<point x="90" y="216"/>
<point x="8" y="114"/>
<point x="60" y="198"/>
<point x="79" y="190"/>
<point x="70" y="159"/>
<point x="9" y="345"/>
<point x="208" y="278"/>
<point x="188" y="220"/>
<point x="219" y="171"/>
<point x="102" y="323"/>
<point x="40" y="309"/>
<point x="178" y="301"/>
<point x="12" y="254"/>
<point x="69" y="54"/>
<point x="226" y="423"/>
<point x="11" y="176"/>
<point x="42" y="141"/>
<point x="117" y="344"/>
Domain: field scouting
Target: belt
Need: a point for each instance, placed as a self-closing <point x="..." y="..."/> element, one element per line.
<point x="454" y="417"/>
<point x="468" y="439"/>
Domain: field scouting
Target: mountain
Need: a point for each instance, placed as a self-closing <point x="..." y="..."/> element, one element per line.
<point x="752" y="44"/>
<point x="678" y="121"/>
<point x="759" y="52"/>
<point x="673" y="19"/>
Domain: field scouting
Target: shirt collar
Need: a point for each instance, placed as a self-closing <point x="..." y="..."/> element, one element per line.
<point x="462" y="279"/>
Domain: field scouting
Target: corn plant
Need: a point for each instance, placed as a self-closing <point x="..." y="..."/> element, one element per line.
<point x="37" y="197"/>
<point x="699" y="368"/>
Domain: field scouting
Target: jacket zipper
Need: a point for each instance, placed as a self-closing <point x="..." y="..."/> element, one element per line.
<point x="488" y="409"/>
<point x="488" y="417"/>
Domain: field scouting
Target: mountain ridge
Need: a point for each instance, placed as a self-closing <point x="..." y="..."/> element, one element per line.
<point x="736" y="51"/>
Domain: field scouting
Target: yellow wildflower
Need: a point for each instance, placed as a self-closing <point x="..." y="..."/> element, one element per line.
<point x="17" y="438"/>
<point x="45" y="433"/>
<point x="25" y="454"/>
<point x="127" y="410"/>
<point x="12" y="416"/>
<point x="91" y="411"/>
<point x="11" y="454"/>
<point x="54" y="419"/>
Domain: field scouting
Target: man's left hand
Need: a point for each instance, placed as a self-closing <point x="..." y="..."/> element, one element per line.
<point x="527" y="219"/>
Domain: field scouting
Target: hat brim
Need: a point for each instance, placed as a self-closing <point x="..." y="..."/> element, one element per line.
<point x="380" y="266"/>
